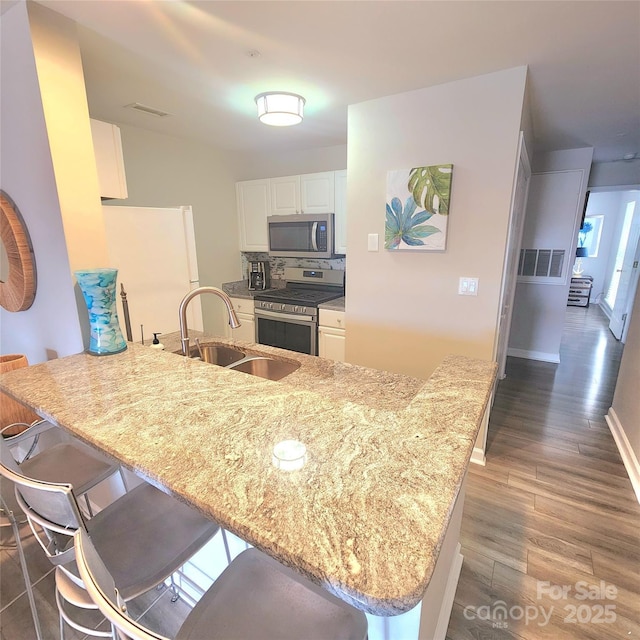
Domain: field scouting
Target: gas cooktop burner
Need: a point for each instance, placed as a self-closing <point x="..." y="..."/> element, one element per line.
<point x="306" y="296"/>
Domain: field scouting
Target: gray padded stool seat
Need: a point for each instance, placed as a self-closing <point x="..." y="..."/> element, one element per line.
<point x="69" y="461"/>
<point x="255" y="598"/>
<point x="75" y="463"/>
<point x="144" y="536"/>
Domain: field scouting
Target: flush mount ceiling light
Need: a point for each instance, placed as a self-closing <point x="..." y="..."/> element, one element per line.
<point x="280" y="109"/>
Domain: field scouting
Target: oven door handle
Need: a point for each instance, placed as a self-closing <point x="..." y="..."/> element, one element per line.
<point x="276" y="315"/>
<point x="314" y="236"/>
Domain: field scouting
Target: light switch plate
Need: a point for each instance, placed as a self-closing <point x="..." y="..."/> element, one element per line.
<point x="372" y="242"/>
<point x="468" y="287"/>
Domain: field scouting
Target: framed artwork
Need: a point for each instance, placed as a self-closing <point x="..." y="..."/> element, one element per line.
<point x="589" y="235"/>
<point x="417" y="208"/>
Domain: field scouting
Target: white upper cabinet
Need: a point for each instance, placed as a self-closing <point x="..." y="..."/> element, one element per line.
<point x="253" y="199"/>
<point x="341" y="211"/>
<point x="107" y="146"/>
<point x="307" y="193"/>
<point x="317" y="192"/>
<point x="324" y="192"/>
<point x="285" y="195"/>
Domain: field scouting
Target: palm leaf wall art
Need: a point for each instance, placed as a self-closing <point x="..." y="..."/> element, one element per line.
<point x="417" y="208"/>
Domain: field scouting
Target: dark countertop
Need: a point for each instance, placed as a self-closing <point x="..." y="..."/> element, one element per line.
<point x="239" y="289"/>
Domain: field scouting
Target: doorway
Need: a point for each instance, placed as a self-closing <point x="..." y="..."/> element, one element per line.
<point x="614" y="253"/>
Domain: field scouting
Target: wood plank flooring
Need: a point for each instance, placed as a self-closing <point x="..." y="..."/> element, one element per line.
<point x="554" y="506"/>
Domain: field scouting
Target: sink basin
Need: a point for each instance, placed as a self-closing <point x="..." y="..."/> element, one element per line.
<point x="216" y="354"/>
<point x="265" y="367"/>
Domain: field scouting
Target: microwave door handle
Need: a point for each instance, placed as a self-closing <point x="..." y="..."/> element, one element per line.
<point x="314" y="236"/>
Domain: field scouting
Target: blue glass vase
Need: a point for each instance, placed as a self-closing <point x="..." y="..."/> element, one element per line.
<point x="98" y="287"/>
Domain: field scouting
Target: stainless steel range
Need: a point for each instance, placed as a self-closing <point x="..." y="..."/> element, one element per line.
<point x="288" y="318"/>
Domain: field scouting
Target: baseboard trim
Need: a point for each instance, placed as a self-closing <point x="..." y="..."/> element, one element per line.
<point x="478" y="457"/>
<point x="534" y="355"/>
<point x="627" y="454"/>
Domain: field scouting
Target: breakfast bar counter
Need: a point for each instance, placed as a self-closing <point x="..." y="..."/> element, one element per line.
<point x="365" y="517"/>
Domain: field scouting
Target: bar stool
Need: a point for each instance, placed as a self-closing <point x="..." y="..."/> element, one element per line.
<point x="144" y="536"/>
<point x="68" y="459"/>
<point x="255" y="598"/>
<point x="9" y="514"/>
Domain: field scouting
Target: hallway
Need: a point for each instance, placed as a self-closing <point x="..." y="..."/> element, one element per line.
<point x="554" y="506"/>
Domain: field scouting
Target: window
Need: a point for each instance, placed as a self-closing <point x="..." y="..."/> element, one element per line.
<point x="589" y="235"/>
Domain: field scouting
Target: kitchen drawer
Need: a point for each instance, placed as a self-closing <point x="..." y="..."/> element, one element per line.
<point x="243" y="305"/>
<point x="330" y="318"/>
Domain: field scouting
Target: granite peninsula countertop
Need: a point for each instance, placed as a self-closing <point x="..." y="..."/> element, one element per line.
<point x="240" y="288"/>
<point x="333" y="305"/>
<point x="387" y="454"/>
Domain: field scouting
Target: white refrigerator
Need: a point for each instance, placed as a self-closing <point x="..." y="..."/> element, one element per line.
<point x="155" y="253"/>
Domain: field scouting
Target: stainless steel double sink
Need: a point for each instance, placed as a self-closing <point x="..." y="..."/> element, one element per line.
<point x="261" y="366"/>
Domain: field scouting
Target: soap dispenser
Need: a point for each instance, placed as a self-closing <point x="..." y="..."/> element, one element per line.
<point x="156" y="344"/>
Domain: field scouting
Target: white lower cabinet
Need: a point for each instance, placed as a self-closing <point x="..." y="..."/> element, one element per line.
<point x="247" y="329"/>
<point x="332" y="335"/>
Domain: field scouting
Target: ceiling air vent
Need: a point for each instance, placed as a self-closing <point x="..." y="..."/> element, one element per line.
<point x="151" y="111"/>
<point x="541" y="263"/>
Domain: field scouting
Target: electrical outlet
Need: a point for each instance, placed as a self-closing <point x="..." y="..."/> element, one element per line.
<point x="468" y="287"/>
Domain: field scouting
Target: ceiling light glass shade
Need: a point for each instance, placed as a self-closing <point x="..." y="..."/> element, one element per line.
<point x="280" y="109"/>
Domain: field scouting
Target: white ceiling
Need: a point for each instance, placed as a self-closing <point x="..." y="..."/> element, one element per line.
<point x="191" y="60"/>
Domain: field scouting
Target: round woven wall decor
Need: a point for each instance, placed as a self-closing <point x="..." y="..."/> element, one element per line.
<point x="18" y="290"/>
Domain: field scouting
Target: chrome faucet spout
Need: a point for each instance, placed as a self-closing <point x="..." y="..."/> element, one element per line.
<point x="234" y="323"/>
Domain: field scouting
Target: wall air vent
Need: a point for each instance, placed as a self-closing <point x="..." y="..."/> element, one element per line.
<point x="541" y="263"/>
<point x="151" y="111"/>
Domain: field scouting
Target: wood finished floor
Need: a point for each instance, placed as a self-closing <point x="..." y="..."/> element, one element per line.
<point x="553" y="504"/>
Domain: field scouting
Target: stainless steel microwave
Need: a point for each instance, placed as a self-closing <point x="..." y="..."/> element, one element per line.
<point x="302" y="235"/>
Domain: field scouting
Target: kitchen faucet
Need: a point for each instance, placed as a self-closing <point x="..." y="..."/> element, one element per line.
<point x="234" y="323"/>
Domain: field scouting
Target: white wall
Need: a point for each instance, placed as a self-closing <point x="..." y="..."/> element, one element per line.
<point x="626" y="399"/>
<point x="64" y="100"/>
<point x="51" y="327"/>
<point x="252" y="166"/>
<point x="403" y="309"/>
<point x="165" y="171"/>
<point x="626" y="197"/>
<point x="607" y="204"/>
<point x="613" y="174"/>
<point x="553" y="216"/>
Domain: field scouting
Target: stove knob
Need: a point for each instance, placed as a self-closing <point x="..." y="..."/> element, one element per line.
<point x="283" y="307"/>
<point x="270" y="305"/>
<point x="296" y="309"/>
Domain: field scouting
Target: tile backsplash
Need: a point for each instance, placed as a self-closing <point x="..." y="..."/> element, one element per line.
<point x="277" y="265"/>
